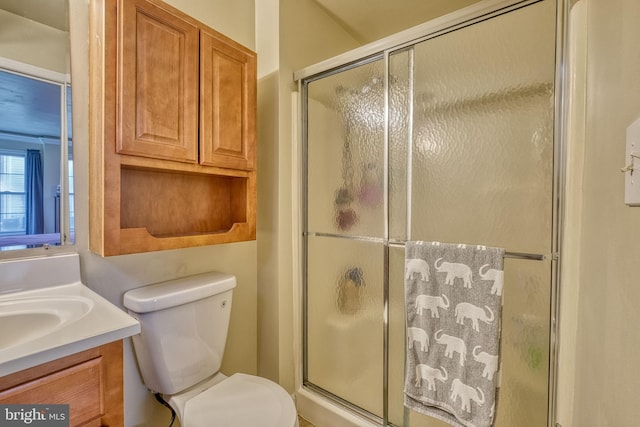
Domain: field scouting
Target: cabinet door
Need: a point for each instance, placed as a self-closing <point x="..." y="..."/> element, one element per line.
<point x="80" y="386"/>
<point x="157" y="83"/>
<point x="227" y="103"/>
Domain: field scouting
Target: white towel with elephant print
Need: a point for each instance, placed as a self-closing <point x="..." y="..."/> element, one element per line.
<point x="453" y="296"/>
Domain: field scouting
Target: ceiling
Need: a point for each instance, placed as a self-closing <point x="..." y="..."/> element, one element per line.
<point x="29" y="107"/>
<point x="48" y="12"/>
<point x="370" y="20"/>
<point x="366" y="20"/>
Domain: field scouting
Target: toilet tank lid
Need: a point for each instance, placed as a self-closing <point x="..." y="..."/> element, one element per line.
<point x="178" y="291"/>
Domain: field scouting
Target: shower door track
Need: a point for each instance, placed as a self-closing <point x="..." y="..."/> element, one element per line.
<point x="401" y="243"/>
<point x="345" y="403"/>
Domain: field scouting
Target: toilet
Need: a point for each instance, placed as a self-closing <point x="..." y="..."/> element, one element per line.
<point x="184" y="324"/>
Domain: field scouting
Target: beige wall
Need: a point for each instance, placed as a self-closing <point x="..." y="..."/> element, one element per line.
<point x="268" y="289"/>
<point x="306" y="35"/>
<point x="112" y="276"/>
<point x="19" y="35"/>
<point x="608" y="337"/>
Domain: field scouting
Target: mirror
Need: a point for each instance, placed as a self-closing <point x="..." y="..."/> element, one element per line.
<point x="36" y="163"/>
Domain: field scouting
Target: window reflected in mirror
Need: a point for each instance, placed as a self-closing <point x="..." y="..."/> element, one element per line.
<point x="36" y="156"/>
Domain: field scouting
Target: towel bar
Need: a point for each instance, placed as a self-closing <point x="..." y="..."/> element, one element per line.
<point x="401" y="243"/>
<point x="507" y="254"/>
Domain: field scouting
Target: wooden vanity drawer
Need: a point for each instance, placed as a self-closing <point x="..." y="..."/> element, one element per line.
<point x="80" y="386"/>
<point x="90" y="382"/>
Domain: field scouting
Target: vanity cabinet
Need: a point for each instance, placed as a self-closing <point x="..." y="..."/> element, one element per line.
<point x="173" y="129"/>
<point x="90" y="382"/>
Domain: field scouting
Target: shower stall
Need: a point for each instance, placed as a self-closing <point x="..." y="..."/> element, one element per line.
<point x="451" y="135"/>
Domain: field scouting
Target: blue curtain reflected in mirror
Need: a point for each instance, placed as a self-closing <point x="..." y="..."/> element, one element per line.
<point x="33" y="184"/>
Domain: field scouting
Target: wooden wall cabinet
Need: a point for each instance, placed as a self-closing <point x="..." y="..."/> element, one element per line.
<point x="90" y="382"/>
<point x="173" y="129"/>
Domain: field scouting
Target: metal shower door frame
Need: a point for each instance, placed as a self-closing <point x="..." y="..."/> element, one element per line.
<point x="382" y="49"/>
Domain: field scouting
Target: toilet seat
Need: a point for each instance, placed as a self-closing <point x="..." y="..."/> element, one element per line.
<point x="241" y="401"/>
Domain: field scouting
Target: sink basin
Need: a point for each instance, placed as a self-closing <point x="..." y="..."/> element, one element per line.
<point x="47" y="313"/>
<point x="26" y="319"/>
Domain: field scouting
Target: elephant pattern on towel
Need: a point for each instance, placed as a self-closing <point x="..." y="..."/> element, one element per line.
<point x="420" y="335"/>
<point x="451" y="310"/>
<point x="431" y="303"/>
<point x="489" y="361"/>
<point x="453" y="345"/>
<point x="454" y="270"/>
<point x="417" y="266"/>
<point x="493" y="274"/>
<point x="426" y="372"/>
<point x="466" y="310"/>
<point x="466" y="394"/>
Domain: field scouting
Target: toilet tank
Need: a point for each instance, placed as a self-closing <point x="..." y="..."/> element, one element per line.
<point x="183" y="329"/>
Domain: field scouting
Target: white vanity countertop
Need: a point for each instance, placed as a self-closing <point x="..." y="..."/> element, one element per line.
<point x="42" y="286"/>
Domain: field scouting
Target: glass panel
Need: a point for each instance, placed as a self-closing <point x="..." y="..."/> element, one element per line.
<point x="12" y="216"/>
<point x="346" y="144"/>
<point x="524" y="345"/>
<point x="483" y="133"/>
<point x="400" y="120"/>
<point x="397" y="333"/>
<point x="71" y="209"/>
<point x="482" y="173"/>
<point x="476" y="107"/>
<point x="345" y="323"/>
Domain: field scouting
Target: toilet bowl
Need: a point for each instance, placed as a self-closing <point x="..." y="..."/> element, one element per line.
<point x="184" y="324"/>
<point x="239" y="400"/>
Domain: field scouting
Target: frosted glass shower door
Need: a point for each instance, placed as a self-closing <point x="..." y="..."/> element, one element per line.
<point x="482" y="172"/>
<point x="344" y="233"/>
<point x="448" y="138"/>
